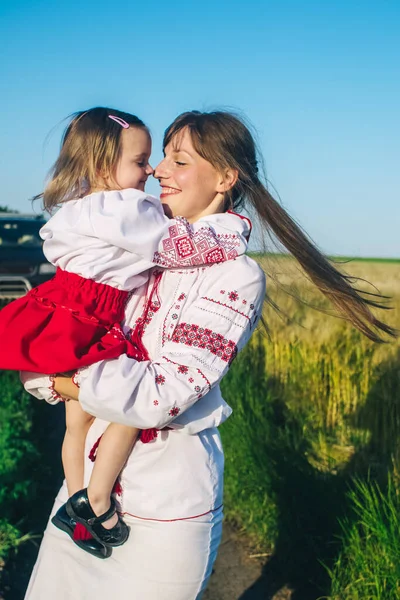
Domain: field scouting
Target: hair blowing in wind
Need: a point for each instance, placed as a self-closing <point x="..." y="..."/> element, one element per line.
<point x="224" y="140"/>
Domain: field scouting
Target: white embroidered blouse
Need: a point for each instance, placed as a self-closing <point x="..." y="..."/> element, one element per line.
<point x="115" y="237"/>
<point x="198" y="321"/>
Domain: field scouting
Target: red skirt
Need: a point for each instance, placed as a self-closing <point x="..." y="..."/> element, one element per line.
<point x="63" y="324"/>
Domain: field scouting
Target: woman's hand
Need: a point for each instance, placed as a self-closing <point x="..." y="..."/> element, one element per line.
<point x="66" y="388"/>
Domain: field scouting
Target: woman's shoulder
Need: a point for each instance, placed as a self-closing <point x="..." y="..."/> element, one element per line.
<point x="242" y="270"/>
<point x="242" y="275"/>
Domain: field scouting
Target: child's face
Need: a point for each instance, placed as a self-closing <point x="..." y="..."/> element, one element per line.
<point x="133" y="167"/>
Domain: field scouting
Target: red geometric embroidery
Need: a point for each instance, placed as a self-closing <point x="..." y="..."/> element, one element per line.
<point x="233" y="296"/>
<point x="174" y="411"/>
<point x="199" y="337"/>
<point x="160" y="379"/>
<point x="183" y="247"/>
<point x="155" y="402"/>
<point x="183" y="369"/>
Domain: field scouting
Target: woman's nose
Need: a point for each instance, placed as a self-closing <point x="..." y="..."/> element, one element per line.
<point x="161" y="170"/>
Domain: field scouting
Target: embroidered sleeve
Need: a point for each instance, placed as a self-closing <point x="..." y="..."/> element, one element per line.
<point x="136" y="222"/>
<point x="200" y="243"/>
<point x="196" y="355"/>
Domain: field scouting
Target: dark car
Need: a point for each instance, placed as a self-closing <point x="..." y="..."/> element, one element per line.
<point x="22" y="262"/>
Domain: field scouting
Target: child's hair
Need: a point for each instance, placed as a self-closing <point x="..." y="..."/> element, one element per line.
<point x="90" y="149"/>
<point x="224" y="140"/>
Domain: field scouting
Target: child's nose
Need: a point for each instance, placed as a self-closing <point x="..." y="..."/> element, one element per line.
<point x="149" y="170"/>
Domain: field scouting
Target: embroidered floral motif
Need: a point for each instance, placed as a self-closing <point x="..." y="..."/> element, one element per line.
<point x="197" y="388"/>
<point x="174" y="316"/>
<point x="222" y="292"/>
<point x="199" y="337"/>
<point x="183" y="369"/>
<point x="181" y="297"/>
<point x="174" y="411"/>
<point x="233" y="296"/>
<point x="251" y="306"/>
<point x="200" y="373"/>
<point x="244" y="301"/>
<point x="156" y="402"/>
<point x="183" y="247"/>
<point x="160" y="379"/>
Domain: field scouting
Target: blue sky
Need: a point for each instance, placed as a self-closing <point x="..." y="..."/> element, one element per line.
<point x="319" y="80"/>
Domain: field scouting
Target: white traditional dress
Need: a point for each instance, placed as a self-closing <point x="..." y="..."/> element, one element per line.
<point x="172" y="487"/>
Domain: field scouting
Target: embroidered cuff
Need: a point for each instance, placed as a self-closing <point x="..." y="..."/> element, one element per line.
<point x="75" y="380"/>
<point x="79" y="376"/>
<point x="55" y="395"/>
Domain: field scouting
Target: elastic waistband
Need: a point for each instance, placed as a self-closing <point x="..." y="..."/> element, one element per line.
<point x="102" y="301"/>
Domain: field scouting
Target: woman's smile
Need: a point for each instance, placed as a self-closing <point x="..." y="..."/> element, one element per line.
<point x="168" y="191"/>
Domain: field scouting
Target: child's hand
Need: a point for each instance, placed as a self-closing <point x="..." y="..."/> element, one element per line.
<point x="66" y="388"/>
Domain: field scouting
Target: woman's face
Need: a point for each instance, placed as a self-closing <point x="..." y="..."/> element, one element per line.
<point x="190" y="186"/>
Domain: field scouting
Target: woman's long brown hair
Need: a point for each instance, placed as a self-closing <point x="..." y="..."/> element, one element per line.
<point x="224" y="140"/>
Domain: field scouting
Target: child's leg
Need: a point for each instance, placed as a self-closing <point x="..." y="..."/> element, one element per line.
<point x="112" y="453"/>
<point x="78" y="423"/>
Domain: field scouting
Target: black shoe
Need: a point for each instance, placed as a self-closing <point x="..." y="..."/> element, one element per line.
<point x="63" y="521"/>
<point x="78" y="507"/>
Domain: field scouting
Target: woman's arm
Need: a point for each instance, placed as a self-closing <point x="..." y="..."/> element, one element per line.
<point x="195" y="357"/>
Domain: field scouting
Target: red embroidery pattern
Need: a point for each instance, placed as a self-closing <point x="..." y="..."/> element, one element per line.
<point x="182" y="369"/>
<point x="191" y="379"/>
<point x="156" y="402"/>
<point x="200" y="337"/>
<point x="233" y="296"/>
<point x="184" y="248"/>
<point x="174" y="411"/>
<point x="160" y="379"/>
<point x="227" y="306"/>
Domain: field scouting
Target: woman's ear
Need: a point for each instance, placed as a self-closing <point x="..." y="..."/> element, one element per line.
<point x="227" y="180"/>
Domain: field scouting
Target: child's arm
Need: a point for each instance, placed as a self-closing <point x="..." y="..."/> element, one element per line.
<point x="135" y="222"/>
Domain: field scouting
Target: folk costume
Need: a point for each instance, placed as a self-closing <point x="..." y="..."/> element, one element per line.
<point x="171" y="488"/>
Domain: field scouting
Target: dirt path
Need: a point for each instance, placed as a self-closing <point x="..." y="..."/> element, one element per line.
<point x="236" y="571"/>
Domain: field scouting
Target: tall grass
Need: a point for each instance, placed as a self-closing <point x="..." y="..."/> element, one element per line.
<point x="368" y="567"/>
<point x="315" y="405"/>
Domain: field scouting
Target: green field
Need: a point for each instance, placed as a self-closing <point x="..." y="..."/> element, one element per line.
<point x="315" y="428"/>
<point x="312" y="450"/>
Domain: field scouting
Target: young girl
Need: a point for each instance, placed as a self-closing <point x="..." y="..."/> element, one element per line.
<point x="106" y="236"/>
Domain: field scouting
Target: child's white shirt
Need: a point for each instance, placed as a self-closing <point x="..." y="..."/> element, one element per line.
<point x="115" y="237"/>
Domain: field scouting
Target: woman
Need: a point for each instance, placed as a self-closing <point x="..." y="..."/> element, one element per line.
<point x="196" y="321"/>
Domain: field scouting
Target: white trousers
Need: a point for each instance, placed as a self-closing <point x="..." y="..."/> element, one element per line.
<point x="160" y="561"/>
